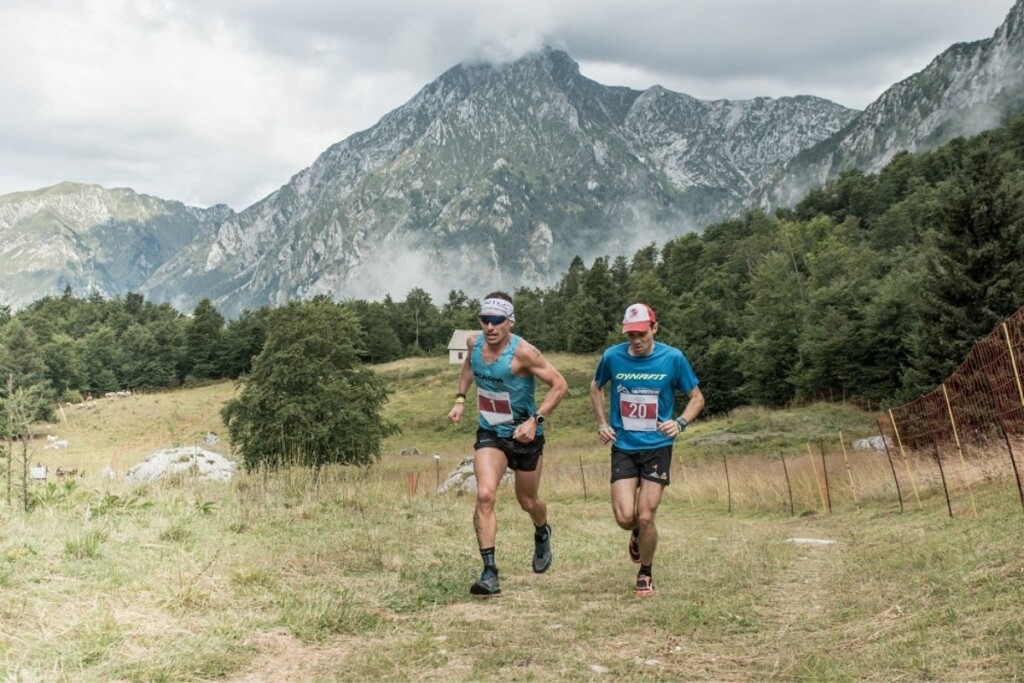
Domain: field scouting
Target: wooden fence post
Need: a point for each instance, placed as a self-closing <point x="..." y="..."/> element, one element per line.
<point x="824" y="468"/>
<point x="960" y="450"/>
<point x="584" y="478"/>
<point x="789" y="488"/>
<point x="942" y="473"/>
<point x="885" y="444"/>
<point x="817" y="479"/>
<point x="849" y="472"/>
<point x="906" y="462"/>
<point x="728" y="486"/>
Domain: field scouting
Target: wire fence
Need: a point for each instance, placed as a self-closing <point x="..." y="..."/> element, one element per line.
<point x="977" y="413"/>
<point x="939" y="447"/>
<point x="968" y="430"/>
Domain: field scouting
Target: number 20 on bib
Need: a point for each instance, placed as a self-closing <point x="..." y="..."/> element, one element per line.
<point x="639" y="412"/>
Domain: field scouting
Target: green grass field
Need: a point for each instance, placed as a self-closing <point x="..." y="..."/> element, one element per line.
<point x="363" y="574"/>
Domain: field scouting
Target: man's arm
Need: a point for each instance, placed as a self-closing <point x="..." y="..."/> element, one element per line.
<point x="531" y="360"/>
<point x="465" y="381"/>
<point x="672" y="427"/>
<point x="675" y="425"/>
<point x="694" y="405"/>
<point x="597" y="401"/>
<point x="605" y="433"/>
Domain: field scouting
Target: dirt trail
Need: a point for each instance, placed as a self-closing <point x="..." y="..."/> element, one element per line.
<point x="801" y="595"/>
<point x="790" y="613"/>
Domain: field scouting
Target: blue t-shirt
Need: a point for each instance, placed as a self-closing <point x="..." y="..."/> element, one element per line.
<point x="503" y="399"/>
<point x="643" y="392"/>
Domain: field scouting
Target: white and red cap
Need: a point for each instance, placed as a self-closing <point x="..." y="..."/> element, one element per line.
<point x="638" y="318"/>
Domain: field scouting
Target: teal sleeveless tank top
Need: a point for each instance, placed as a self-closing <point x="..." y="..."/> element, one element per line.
<point x="503" y="399"/>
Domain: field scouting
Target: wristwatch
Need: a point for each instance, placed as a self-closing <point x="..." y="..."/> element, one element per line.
<point x="681" y="421"/>
<point x="539" y="418"/>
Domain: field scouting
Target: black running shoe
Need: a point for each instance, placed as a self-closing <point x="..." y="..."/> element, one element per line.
<point x="542" y="551"/>
<point x="487" y="585"/>
<point x="634" y="546"/>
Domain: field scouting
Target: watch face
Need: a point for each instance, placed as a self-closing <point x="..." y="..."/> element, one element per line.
<point x="538" y="417"/>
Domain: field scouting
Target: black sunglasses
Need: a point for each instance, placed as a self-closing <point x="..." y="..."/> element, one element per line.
<point x="493" y="319"/>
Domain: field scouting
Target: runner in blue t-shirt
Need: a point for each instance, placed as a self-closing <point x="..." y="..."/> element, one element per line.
<point x="645" y="376"/>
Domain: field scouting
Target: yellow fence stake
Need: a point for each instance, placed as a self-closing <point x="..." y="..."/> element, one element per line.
<point x="849" y="472"/>
<point x="814" y="469"/>
<point x="906" y="463"/>
<point x="1013" y="362"/>
<point x="956" y="438"/>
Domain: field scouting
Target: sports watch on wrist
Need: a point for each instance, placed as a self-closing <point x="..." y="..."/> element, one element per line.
<point x="539" y="418"/>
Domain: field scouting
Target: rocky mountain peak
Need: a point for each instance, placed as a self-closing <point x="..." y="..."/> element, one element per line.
<point x="496" y="175"/>
<point x="968" y="88"/>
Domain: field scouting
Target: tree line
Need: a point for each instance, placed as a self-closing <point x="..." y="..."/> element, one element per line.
<point x="873" y="288"/>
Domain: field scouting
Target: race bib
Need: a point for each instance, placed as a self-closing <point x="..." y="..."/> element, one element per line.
<point x="639" y="412"/>
<point x="494" y="406"/>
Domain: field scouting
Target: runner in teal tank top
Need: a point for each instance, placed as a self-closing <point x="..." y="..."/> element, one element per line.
<point x="510" y="429"/>
<point x="503" y="398"/>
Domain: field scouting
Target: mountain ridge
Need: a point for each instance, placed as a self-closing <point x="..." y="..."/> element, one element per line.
<point x="966" y="89"/>
<point x="90" y="238"/>
<point x="463" y="175"/>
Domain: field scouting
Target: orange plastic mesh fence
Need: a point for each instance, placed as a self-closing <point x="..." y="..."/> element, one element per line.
<point x="978" y="406"/>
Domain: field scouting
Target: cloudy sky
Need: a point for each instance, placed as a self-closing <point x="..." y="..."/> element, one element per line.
<point x="222" y="101"/>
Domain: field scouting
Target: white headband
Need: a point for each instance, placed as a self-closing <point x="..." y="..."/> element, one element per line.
<point x="498" y="307"/>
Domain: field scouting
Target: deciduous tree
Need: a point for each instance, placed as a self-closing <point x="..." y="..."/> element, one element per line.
<point x="309" y="400"/>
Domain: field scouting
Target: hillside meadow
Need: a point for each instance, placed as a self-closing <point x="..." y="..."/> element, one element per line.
<point x="363" y="574"/>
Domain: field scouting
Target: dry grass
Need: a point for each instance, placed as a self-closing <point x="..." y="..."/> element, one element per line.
<point x="120" y="432"/>
<point x="351" y="575"/>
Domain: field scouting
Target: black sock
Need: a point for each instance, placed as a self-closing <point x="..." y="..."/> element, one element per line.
<point x="540" y="533"/>
<point x="645" y="570"/>
<point x="488" y="557"/>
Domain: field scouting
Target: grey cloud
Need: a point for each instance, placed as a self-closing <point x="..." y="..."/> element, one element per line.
<point x="284" y="80"/>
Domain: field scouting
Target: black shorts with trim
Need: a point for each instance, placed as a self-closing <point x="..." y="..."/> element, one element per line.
<point x="652" y="465"/>
<point x="522" y="457"/>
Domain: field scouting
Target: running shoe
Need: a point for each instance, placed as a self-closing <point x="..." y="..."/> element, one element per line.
<point x="644" y="586"/>
<point x="487" y="585"/>
<point x="542" y="551"/>
<point x="634" y="546"/>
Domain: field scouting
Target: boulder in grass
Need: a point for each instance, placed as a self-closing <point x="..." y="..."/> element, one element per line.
<point x="873" y="443"/>
<point x="190" y="460"/>
<point x="462" y="479"/>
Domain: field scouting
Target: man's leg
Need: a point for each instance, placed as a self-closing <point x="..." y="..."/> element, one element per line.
<point x="624" y="501"/>
<point x="646" y="506"/>
<point x="528" y="495"/>
<point x="489" y="465"/>
<point x="624" y="495"/>
<point x="647" y="503"/>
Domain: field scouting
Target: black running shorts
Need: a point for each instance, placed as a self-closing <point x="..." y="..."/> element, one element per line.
<point x="652" y="465"/>
<point x="522" y="457"/>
